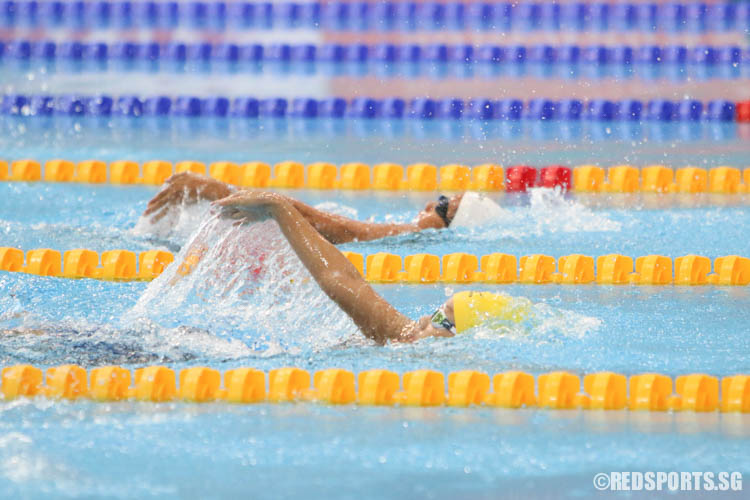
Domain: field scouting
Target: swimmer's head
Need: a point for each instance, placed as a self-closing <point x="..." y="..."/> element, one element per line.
<point x="466" y="310"/>
<point x="439" y="214"/>
<point x="472" y="309"/>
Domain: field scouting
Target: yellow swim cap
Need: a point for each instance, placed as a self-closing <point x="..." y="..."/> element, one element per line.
<point x="474" y="308"/>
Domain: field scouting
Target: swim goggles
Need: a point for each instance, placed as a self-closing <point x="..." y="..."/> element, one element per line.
<point x="440" y="320"/>
<point x="442" y="209"/>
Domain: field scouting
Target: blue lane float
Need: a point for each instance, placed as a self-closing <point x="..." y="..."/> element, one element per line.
<point x="622" y="55"/>
<point x="386" y="16"/>
<point x="662" y="110"/>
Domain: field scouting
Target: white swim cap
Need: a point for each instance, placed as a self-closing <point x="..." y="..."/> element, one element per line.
<point x="476" y="209"/>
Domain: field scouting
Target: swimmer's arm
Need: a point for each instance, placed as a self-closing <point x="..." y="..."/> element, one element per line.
<point x="338" y="229"/>
<point x="187" y="187"/>
<point x="339" y="279"/>
<point x="333" y="272"/>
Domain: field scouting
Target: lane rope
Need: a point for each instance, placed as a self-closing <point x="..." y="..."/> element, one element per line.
<point x="394" y="177"/>
<point x="383" y="267"/>
<point x="635" y="59"/>
<point x="406" y="16"/>
<point x="514" y="389"/>
<point x="368" y="108"/>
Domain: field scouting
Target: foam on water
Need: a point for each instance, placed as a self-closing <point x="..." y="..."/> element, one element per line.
<point x="548" y="212"/>
<point x="568" y="215"/>
<point x="541" y="323"/>
<point x="246" y="283"/>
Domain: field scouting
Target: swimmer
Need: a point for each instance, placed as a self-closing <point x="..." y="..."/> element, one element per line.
<point x="191" y="188"/>
<point x="342" y="283"/>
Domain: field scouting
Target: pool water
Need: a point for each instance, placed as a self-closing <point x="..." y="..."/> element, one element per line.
<point x="404" y="141"/>
<point x="146" y="450"/>
<point x="139" y="450"/>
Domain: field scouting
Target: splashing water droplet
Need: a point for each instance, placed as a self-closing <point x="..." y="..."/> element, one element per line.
<point x="548" y="212"/>
<point x="243" y="280"/>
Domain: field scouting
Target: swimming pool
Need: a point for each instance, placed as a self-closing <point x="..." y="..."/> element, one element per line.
<point x="132" y="449"/>
<point x="77" y="447"/>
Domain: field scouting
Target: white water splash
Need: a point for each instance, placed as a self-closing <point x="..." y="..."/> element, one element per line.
<point x="338" y="209"/>
<point x="554" y="213"/>
<point x="245" y="281"/>
<point x="183" y="342"/>
<point x="178" y="223"/>
<point x="548" y="212"/>
<point x="544" y="323"/>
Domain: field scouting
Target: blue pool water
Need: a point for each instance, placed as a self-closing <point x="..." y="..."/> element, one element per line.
<point x="406" y="141"/>
<point x="87" y="450"/>
<point x="141" y="450"/>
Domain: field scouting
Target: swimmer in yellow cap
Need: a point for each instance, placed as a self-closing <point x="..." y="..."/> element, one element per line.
<point x="340" y="280"/>
<point x="191" y="188"/>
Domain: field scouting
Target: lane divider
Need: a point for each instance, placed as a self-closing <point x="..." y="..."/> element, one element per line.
<point x="514" y="389"/>
<point x="647" y="57"/>
<point x="394" y="177"/>
<point x="649" y="17"/>
<point x="368" y="108"/>
<point x="574" y="269"/>
<point x="382" y="267"/>
<point x="120" y="265"/>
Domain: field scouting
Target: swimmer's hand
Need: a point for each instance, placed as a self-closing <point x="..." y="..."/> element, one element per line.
<point x="249" y="206"/>
<point x="185" y="188"/>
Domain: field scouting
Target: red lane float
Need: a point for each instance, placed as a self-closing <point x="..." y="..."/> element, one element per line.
<point x="520" y="178"/>
<point x="556" y="176"/>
